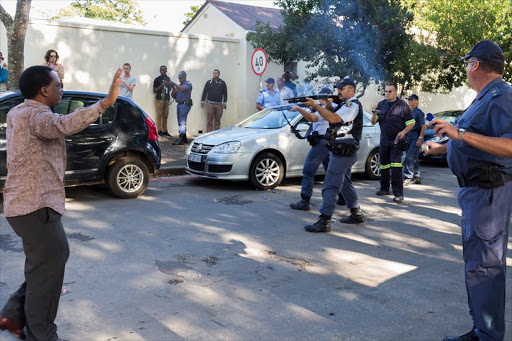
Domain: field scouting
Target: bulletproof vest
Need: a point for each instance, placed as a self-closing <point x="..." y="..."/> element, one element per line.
<point x="357" y="126"/>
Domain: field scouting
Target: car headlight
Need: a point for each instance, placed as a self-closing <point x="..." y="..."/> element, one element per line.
<point x="227" y="148"/>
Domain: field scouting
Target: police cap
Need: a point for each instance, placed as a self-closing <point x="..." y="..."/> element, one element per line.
<point x="345" y="81"/>
<point x="326" y="90"/>
<point x="413" y="96"/>
<point x="486" y="50"/>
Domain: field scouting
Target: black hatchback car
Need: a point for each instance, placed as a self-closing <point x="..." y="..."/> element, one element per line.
<point x="121" y="148"/>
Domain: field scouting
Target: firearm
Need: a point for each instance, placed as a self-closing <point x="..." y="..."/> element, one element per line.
<point x="335" y="98"/>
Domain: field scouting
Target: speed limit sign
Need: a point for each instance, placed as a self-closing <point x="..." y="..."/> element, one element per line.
<point x="259" y="61"/>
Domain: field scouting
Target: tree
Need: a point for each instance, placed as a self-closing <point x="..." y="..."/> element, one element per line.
<point x="449" y="29"/>
<point x="16" y="29"/>
<point x="364" y="40"/>
<point x="122" y="11"/>
<point x="190" y="15"/>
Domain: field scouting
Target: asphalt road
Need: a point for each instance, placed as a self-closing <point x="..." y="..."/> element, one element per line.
<point x="199" y="259"/>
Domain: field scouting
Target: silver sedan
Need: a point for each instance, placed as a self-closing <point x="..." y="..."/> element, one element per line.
<point x="266" y="147"/>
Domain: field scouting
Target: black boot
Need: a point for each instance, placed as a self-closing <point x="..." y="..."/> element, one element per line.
<point x="341" y="200"/>
<point x="355" y="217"/>
<point x="302" y="205"/>
<point x="180" y="140"/>
<point x="323" y="224"/>
<point x="470" y="336"/>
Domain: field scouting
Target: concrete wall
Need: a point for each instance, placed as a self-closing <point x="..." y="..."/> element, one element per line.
<point x="91" y="54"/>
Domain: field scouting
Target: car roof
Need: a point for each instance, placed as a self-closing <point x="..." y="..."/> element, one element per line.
<point x="10" y="93"/>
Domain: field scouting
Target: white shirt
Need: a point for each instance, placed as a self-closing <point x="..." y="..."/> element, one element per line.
<point x="348" y="112"/>
<point x="285" y="93"/>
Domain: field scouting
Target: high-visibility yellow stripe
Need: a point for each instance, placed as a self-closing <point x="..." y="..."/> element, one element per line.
<point x="385" y="166"/>
<point x="396" y="164"/>
<point x="409" y="122"/>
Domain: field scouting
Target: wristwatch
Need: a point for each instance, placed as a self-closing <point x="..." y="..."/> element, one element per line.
<point x="461" y="133"/>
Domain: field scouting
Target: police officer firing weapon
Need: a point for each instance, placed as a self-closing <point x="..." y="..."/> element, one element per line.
<point x="344" y="134"/>
<point x="480" y="155"/>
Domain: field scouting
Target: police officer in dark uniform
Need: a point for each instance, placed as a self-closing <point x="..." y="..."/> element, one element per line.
<point x="318" y="154"/>
<point x="480" y="155"/>
<point x="182" y="93"/>
<point x="344" y="134"/>
<point x="395" y="121"/>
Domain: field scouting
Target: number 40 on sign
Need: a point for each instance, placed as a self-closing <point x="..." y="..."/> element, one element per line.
<point x="259" y="61"/>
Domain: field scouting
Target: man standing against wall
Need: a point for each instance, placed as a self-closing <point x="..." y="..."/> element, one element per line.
<point x="162" y="88"/>
<point x="216" y="93"/>
<point x="34" y="197"/>
<point x="414" y="141"/>
<point x="183" y="93"/>
<point x="480" y="155"/>
<point x="128" y="82"/>
<point x="395" y="121"/>
<point x="288" y="83"/>
<point x="268" y="97"/>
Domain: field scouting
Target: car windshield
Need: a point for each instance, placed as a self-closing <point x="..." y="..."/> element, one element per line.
<point x="449" y="116"/>
<point x="270" y="118"/>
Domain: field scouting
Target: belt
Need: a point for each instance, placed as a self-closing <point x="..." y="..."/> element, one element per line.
<point x="484" y="184"/>
<point x="214" y="103"/>
<point x="182" y="102"/>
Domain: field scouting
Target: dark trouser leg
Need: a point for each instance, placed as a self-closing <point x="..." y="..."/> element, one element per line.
<point x="14" y="309"/>
<point x="397" y="178"/>
<point x="411" y="162"/>
<point x="348" y="190"/>
<point x="182" y="113"/>
<point x="485" y="220"/>
<point x="46" y="250"/>
<point x="385" y="167"/>
<point x="334" y="181"/>
<point x="315" y="157"/>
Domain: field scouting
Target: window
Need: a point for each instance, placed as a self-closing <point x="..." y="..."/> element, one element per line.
<point x="291" y="67"/>
<point x="4" y="109"/>
<point x="68" y="105"/>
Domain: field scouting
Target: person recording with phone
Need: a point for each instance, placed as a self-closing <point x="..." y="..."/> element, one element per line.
<point x="162" y="87"/>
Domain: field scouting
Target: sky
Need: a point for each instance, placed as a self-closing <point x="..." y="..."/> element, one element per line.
<point x="166" y="15"/>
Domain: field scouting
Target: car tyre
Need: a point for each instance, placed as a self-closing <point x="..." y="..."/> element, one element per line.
<point x="128" y="178"/>
<point x="372" y="169"/>
<point x="266" y="171"/>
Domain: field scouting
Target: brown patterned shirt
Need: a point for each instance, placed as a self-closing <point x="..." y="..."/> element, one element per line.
<point x="36" y="155"/>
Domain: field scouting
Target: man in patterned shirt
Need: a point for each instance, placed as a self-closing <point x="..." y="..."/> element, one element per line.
<point x="34" y="196"/>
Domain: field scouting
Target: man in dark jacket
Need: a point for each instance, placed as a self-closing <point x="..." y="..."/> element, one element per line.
<point x="215" y="92"/>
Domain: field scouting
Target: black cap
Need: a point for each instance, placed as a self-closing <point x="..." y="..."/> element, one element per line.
<point x="413" y="96"/>
<point x="326" y="90"/>
<point x="486" y="50"/>
<point x="345" y="81"/>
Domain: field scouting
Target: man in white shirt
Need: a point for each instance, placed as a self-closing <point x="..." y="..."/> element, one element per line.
<point x="284" y="91"/>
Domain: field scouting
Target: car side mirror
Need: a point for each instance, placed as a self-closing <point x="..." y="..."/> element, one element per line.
<point x="302" y="127"/>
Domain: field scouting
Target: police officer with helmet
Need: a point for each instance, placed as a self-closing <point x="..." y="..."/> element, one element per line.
<point x="318" y="154"/>
<point x="480" y="155"/>
<point x="344" y="134"/>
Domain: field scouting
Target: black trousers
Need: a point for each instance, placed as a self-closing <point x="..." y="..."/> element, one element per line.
<point x="34" y="305"/>
<point x="391" y="162"/>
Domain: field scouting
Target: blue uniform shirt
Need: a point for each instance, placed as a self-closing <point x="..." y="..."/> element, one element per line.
<point x="393" y="118"/>
<point x="183" y="96"/>
<point x="490" y="114"/>
<point x="266" y="99"/>
<point x="419" y="117"/>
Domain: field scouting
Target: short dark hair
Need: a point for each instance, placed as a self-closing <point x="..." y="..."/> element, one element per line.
<point x="491" y="67"/>
<point x="216" y="70"/>
<point x="47" y="55"/>
<point x="393" y="85"/>
<point x="127" y="64"/>
<point x="161" y="66"/>
<point x="33" y="79"/>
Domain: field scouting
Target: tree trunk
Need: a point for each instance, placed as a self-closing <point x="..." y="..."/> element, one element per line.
<point x="16" y="30"/>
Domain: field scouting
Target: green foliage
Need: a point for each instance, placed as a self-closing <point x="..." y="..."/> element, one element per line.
<point x="364" y="40"/>
<point x="450" y="28"/>
<point x="122" y="11"/>
<point x="190" y="15"/>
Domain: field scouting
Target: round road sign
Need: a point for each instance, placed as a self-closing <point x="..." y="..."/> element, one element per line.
<point x="259" y="61"/>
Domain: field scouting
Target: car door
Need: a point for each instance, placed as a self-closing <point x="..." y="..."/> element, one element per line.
<point x="298" y="150"/>
<point x="85" y="148"/>
<point x="370" y="140"/>
<point x="5" y="106"/>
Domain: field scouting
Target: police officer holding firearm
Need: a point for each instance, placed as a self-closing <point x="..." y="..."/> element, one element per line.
<point x="318" y="154"/>
<point x="480" y="155"/>
<point x="344" y="133"/>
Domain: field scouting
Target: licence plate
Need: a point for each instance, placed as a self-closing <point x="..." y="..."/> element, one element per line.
<point x="194" y="157"/>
